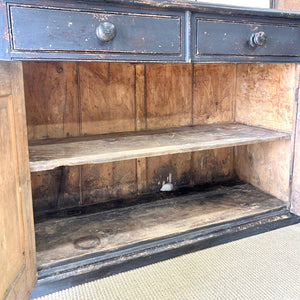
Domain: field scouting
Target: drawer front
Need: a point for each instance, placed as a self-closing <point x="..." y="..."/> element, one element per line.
<point x="44" y="30"/>
<point x="225" y="39"/>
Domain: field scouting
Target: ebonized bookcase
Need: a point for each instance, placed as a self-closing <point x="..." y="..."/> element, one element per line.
<point x="103" y="103"/>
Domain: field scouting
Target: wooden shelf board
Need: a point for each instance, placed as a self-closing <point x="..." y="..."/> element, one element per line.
<point x="48" y="155"/>
<point x="119" y="228"/>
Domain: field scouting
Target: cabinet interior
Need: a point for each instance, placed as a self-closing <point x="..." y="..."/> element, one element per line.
<point x="237" y="164"/>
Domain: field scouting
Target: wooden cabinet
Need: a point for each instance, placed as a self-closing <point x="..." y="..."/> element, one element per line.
<point x="132" y="161"/>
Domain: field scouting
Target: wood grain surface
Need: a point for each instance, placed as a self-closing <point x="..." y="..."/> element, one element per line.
<point x="114" y="97"/>
<point x="266" y="166"/>
<point x="140" y="223"/>
<point x="265" y="95"/>
<point x="17" y="239"/>
<point x="116" y="147"/>
<point x="214" y="93"/>
<point x="169" y="95"/>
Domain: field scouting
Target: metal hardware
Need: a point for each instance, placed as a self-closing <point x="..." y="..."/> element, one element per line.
<point x="106" y="32"/>
<point x="257" y="39"/>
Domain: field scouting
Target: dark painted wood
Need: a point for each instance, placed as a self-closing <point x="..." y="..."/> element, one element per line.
<point x="4" y="36"/>
<point x="166" y="32"/>
<point x="215" y="37"/>
<point x="60" y="278"/>
<point x="63" y="30"/>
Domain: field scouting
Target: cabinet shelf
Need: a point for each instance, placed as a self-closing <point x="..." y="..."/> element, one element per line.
<point x="118" y="228"/>
<point x="49" y="154"/>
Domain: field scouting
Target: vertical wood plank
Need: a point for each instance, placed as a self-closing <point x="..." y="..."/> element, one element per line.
<point x="52" y="112"/>
<point x="173" y="169"/>
<point x="25" y="284"/>
<point x="214" y="93"/>
<point x="295" y="186"/>
<point x="140" y="96"/>
<point x="105" y="182"/>
<point x="11" y="221"/>
<point x="182" y="95"/>
<point x="212" y="166"/>
<point x="168" y="95"/>
<point x="107" y="98"/>
<point x="107" y="101"/>
<point x="58" y="188"/>
<point x="169" y="104"/>
<point x="51" y="99"/>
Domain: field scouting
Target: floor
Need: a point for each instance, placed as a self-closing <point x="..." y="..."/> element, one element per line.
<point x="265" y="266"/>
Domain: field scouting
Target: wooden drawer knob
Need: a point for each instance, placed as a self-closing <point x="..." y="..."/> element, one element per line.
<point x="106" y="31"/>
<point x="258" y="39"/>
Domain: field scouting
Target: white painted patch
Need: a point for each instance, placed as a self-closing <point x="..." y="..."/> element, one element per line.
<point x="168" y="187"/>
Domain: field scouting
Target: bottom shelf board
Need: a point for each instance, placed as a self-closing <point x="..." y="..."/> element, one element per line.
<point x="61" y="240"/>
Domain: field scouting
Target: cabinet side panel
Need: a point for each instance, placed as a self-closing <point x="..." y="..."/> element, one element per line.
<point x="265" y="97"/>
<point x="266" y="166"/>
<point x="295" y="194"/>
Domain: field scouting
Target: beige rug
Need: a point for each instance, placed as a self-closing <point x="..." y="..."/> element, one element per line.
<point x="266" y="266"/>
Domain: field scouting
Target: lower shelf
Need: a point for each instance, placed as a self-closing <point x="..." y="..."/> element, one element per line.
<point x="59" y="241"/>
<point x="127" y="238"/>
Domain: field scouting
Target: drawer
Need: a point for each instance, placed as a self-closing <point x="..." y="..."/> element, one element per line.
<point x="57" y="30"/>
<point x="217" y="38"/>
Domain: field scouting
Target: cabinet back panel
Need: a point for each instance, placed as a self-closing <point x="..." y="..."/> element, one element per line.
<point x="73" y="99"/>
